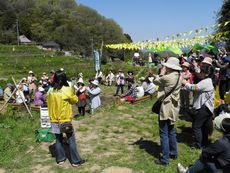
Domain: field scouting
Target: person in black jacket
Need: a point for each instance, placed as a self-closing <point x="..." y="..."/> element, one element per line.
<point x="216" y="157"/>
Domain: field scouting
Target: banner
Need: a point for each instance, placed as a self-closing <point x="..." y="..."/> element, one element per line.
<point x="177" y="40"/>
<point x="97" y="60"/>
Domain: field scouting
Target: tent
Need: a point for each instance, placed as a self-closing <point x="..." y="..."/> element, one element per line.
<point x="24" y="40"/>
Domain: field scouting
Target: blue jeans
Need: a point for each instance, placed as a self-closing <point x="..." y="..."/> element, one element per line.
<point x="168" y="140"/>
<point x="200" y="166"/>
<point x="60" y="151"/>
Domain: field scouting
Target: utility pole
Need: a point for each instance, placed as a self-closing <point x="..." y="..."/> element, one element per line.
<point x="102" y="44"/>
<point x="17" y="31"/>
<point x="92" y="48"/>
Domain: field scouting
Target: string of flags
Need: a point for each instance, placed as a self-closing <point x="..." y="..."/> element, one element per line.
<point x="180" y="40"/>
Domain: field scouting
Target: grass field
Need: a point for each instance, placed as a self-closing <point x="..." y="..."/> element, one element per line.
<point x="116" y="138"/>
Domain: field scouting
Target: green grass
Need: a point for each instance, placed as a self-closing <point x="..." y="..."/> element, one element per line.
<point x="116" y="135"/>
<point x="18" y="63"/>
<point x="122" y="136"/>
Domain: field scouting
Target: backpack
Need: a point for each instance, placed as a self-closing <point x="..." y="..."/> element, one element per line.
<point x="44" y="135"/>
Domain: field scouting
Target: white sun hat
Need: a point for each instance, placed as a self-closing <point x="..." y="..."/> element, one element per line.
<point x="31" y="72"/>
<point x="218" y="121"/>
<point x="185" y="58"/>
<point x="173" y="63"/>
<point x="80" y="81"/>
<point x="207" y="60"/>
<point x="41" y="89"/>
<point x="95" y="82"/>
<point x="185" y="64"/>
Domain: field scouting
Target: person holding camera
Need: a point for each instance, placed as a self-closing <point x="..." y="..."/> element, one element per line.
<point x="169" y="82"/>
<point x="203" y="103"/>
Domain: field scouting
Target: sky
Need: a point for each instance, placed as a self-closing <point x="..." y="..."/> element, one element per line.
<point x="151" y="19"/>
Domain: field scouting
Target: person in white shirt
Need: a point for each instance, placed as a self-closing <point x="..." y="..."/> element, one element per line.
<point x="203" y="103"/>
<point x="150" y="60"/>
<point x="109" y="78"/>
<point x="20" y="98"/>
<point x="99" y="76"/>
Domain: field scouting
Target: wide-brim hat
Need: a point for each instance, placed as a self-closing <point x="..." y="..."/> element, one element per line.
<point x="194" y="55"/>
<point x="120" y="70"/>
<point x="41" y="89"/>
<point x="9" y="85"/>
<point x="80" y="74"/>
<point x="44" y="73"/>
<point x="136" y="54"/>
<point x="218" y="121"/>
<point x="31" y="72"/>
<point x="80" y="80"/>
<point x="207" y="60"/>
<point x="185" y="58"/>
<point x="173" y="63"/>
<point x="185" y="64"/>
<point x="95" y="82"/>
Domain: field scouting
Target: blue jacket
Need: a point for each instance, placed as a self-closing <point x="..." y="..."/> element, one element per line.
<point x="218" y="152"/>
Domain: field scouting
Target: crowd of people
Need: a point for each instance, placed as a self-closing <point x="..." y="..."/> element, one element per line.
<point x="186" y="85"/>
<point x="32" y="91"/>
<point x="191" y="83"/>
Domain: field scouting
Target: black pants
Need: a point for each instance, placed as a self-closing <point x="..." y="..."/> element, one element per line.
<point x="81" y="110"/>
<point x="224" y="87"/>
<point x="202" y="126"/>
<point x="118" y="89"/>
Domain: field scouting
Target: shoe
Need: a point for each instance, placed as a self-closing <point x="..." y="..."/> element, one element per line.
<point x="158" y="162"/>
<point x="78" y="163"/>
<point x="181" y="168"/>
<point x="174" y="157"/>
<point x="61" y="163"/>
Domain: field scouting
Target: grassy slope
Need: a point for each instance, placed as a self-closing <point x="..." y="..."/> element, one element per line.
<point x="111" y="137"/>
<point x="17" y="63"/>
<point x="124" y="136"/>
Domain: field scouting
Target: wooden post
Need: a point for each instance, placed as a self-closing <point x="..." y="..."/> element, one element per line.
<point x="22" y="99"/>
<point x="8" y="99"/>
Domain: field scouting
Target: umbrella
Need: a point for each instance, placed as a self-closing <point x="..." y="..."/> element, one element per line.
<point x="167" y="53"/>
<point x="175" y="50"/>
<point x="197" y="47"/>
<point x="147" y="51"/>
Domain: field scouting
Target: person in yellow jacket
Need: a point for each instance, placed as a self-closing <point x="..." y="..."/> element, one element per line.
<point x="60" y="100"/>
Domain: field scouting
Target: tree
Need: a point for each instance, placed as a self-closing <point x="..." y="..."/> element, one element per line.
<point x="128" y="37"/>
<point x="224" y="16"/>
<point x="71" y="25"/>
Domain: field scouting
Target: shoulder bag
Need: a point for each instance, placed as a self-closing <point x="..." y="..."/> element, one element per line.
<point x="157" y="105"/>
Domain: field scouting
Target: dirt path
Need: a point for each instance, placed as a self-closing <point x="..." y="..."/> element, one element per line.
<point x="107" y="140"/>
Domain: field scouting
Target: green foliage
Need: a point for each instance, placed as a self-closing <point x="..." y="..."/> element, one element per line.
<point x="17" y="129"/>
<point x="20" y="59"/>
<point x="71" y="25"/>
<point x="224" y="16"/>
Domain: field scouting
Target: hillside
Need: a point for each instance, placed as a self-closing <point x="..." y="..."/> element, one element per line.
<point x="20" y="59"/>
<point x="73" y="26"/>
